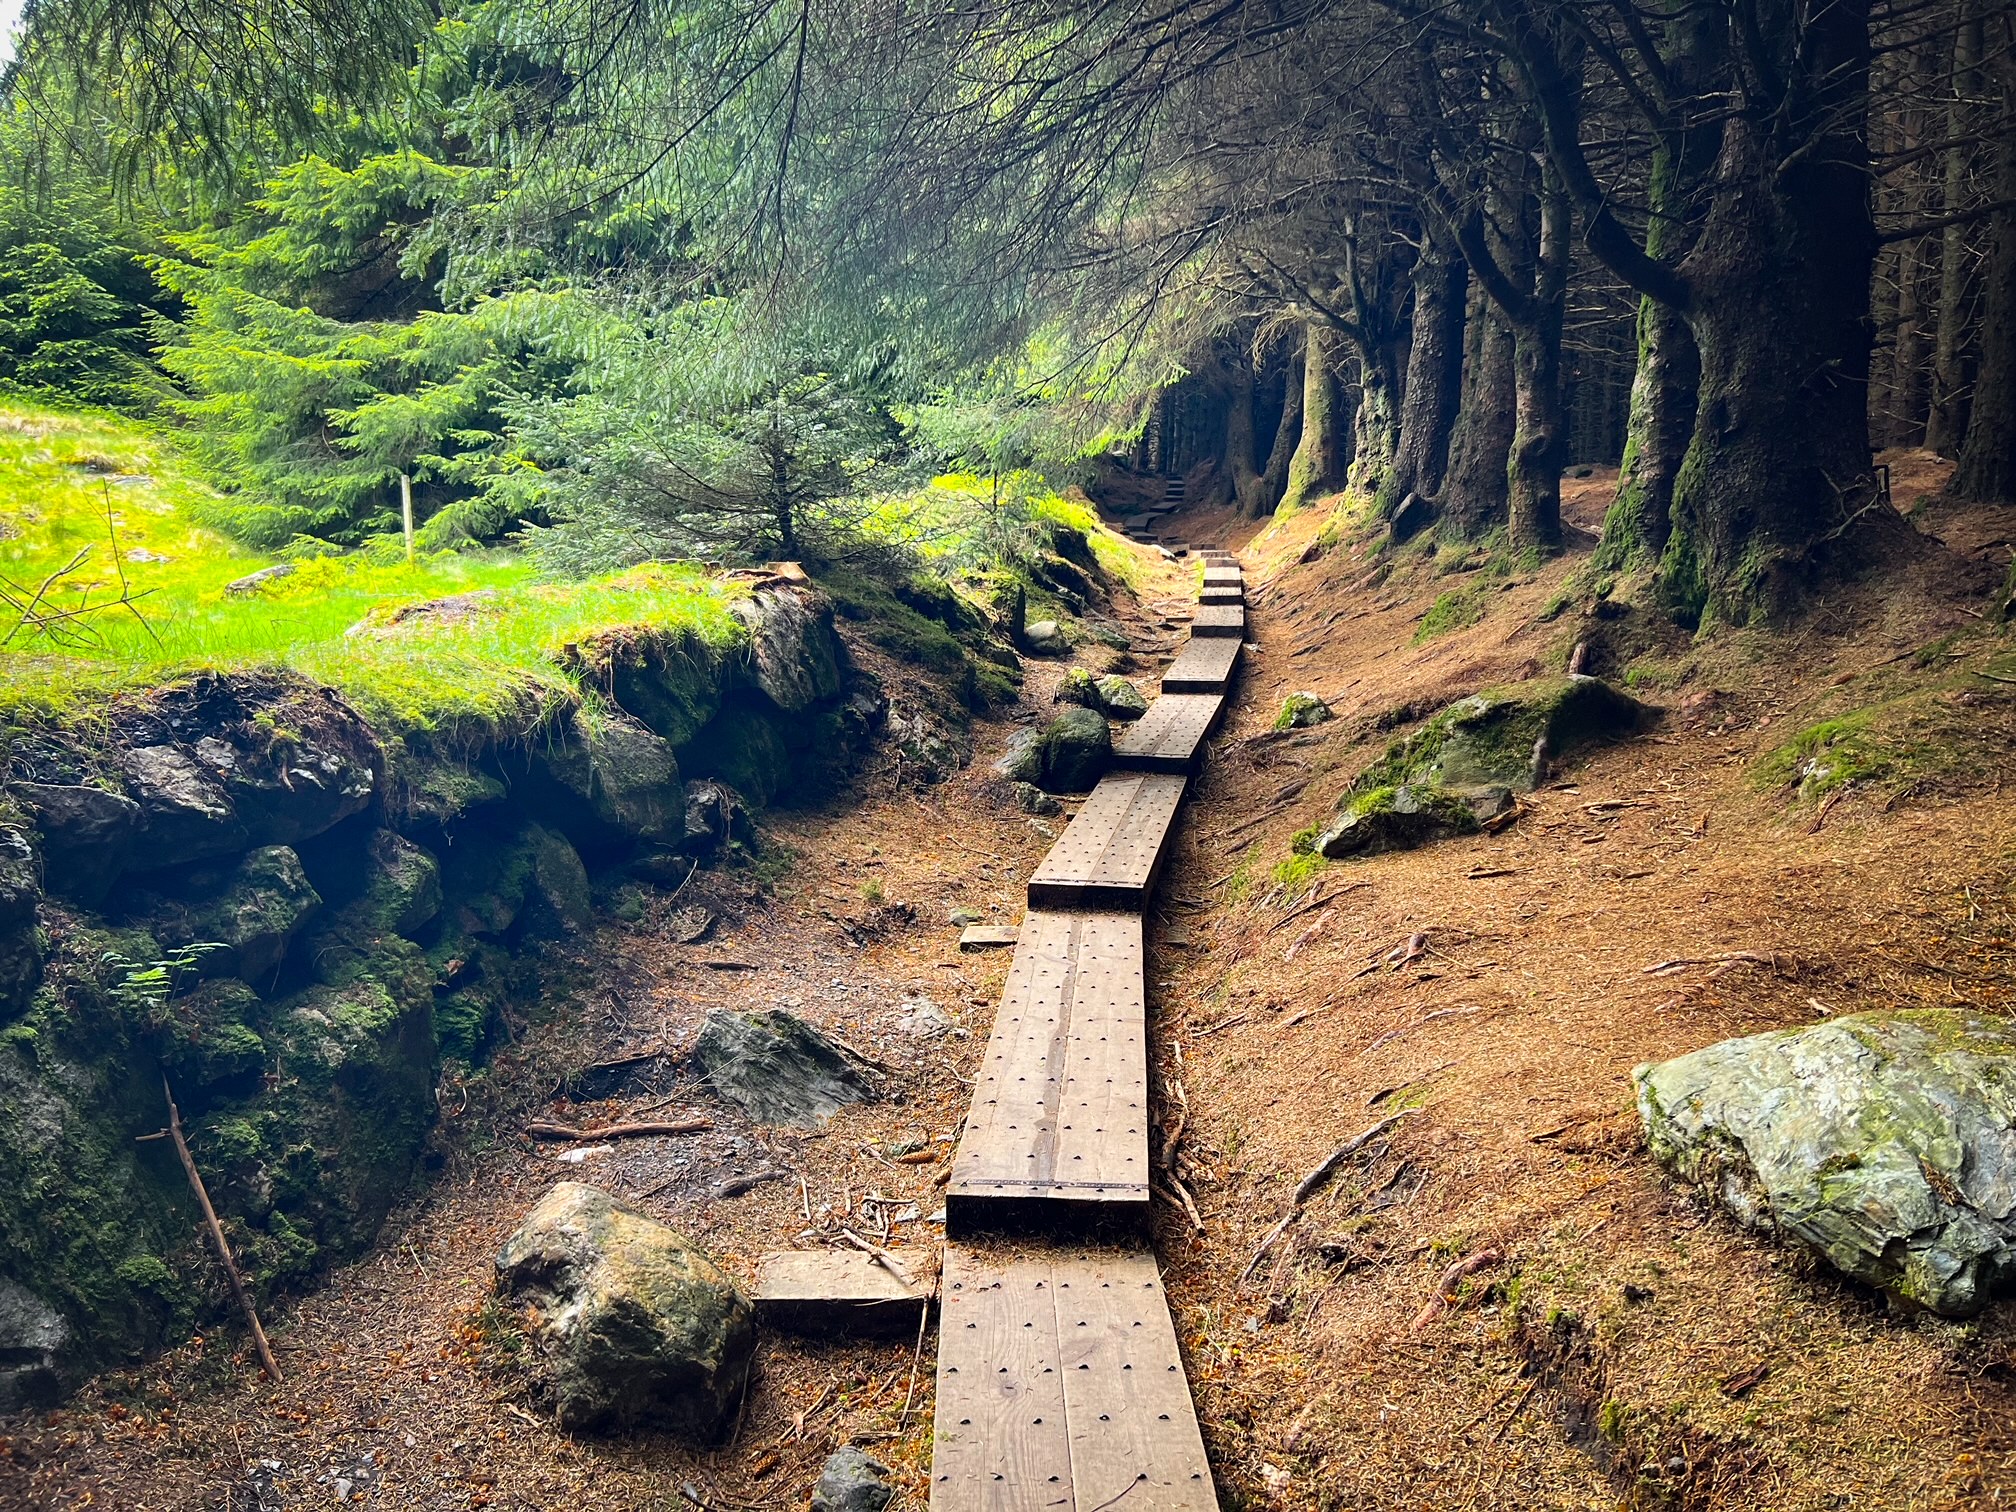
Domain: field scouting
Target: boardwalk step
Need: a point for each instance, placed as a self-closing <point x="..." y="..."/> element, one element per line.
<point x="988" y="936"/>
<point x="1109" y="854"/>
<point x="1217" y="574"/>
<point x="1170" y="736"/>
<point x="1060" y="1389"/>
<point x="1204" y="666"/>
<point x="1219" y="619"/>
<point x="835" y="1291"/>
<point x="1060" y="1108"/>
<point x="1213" y="594"/>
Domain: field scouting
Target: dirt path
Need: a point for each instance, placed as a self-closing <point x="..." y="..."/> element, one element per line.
<point x="1625" y="1346"/>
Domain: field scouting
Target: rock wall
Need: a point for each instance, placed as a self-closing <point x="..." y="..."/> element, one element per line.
<point x="233" y="883"/>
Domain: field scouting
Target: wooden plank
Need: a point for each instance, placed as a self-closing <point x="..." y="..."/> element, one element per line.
<point x="1133" y="1429"/>
<point x="1108" y="855"/>
<point x="1216" y="594"/>
<point x="1000" y="1442"/>
<point x="1170" y="736"/>
<point x="988" y="936"/>
<point x="1059" y="1121"/>
<point x="1203" y="666"/>
<point x="1219" y="620"/>
<point x="833" y="1291"/>
<point x="1221" y="573"/>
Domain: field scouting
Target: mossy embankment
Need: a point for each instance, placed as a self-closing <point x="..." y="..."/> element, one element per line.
<point x="303" y="847"/>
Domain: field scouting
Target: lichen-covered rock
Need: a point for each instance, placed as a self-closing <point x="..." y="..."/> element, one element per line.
<point x="1077" y="686"/>
<point x="632" y="1325"/>
<point x="1390" y="819"/>
<point x="1299" y="711"/>
<point x="777" y="1068"/>
<point x="927" y="747"/>
<point x="207" y="1043"/>
<point x="20" y="946"/>
<point x="794" y="657"/>
<point x="225" y="762"/>
<point x="1076" y="746"/>
<point x="439" y="794"/>
<point x="251" y="908"/>
<point x="1119" y="698"/>
<point x="1033" y="800"/>
<point x="86" y="834"/>
<point x="1045" y="638"/>
<point x="852" y="1480"/>
<point x="1884" y="1141"/>
<point x="672" y="683"/>
<point x="1512" y="737"/>
<point x="609" y="784"/>
<point x="712" y="816"/>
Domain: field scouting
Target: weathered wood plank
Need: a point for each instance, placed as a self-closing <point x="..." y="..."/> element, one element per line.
<point x="1133" y="1428"/>
<point x="1216" y="620"/>
<point x="1203" y="666"/>
<point x="1059" y="1115"/>
<point x="1217" y="594"/>
<point x="1221" y="573"/>
<point x="988" y="936"/>
<point x="1108" y="856"/>
<point x="1000" y="1442"/>
<point x="834" y="1291"/>
<point x="1170" y="736"/>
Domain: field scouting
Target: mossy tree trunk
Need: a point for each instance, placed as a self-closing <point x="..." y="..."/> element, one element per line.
<point x="1434" y="380"/>
<point x="1376" y="423"/>
<point x="1540" y="424"/>
<point x="1473" y="490"/>
<point x="1318" y="460"/>
<point x="1238" y="479"/>
<point x="1953" y="349"/>
<point x="1287" y="436"/>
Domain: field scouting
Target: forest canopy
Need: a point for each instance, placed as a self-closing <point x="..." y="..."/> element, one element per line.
<point x="685" y="279"/>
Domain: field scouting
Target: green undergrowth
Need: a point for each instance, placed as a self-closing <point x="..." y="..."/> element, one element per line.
<point x="113" y="498"/>
<point x="1458" y="609"/>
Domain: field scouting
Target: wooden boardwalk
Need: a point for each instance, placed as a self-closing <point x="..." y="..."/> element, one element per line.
<point x="1060" y="1385"/>
<point x="1060" y="1388"/>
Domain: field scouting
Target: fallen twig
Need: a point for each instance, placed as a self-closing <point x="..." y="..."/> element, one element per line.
<point x="1310" y="1184"/>
<point x="735" y="1186"/>
<point x="1175" y="1192"/>
<point x="1295" y="913"/>
<point x="1662" y="968"/>
<point x="570" y="1132"/>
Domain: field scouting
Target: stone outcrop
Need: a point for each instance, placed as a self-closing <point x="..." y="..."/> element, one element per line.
<point x="777" y="1068"/>
<point x="1068" y="755"/>
<point x="1884" y="1142"/>
<point x="631" y="1324"/>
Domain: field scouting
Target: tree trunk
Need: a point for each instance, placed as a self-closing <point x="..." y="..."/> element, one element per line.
<point x="1473" y="492"/>
<point x="1988" y="460"/>
<point x="1375" y="426"/>
<point x="1952" y="354"/>
<point x="1540" y="434"/>
<point x="1663" y="387"/>
<point x="1287" y="435"/>
<point x="1434" y="380"/>
<point x="1242" y="478"/>
<point x="1316" y="464"/>
<point x="1776" y="486"/>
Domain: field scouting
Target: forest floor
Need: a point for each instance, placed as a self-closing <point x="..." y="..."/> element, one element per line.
<point x="1626" y="1346"/>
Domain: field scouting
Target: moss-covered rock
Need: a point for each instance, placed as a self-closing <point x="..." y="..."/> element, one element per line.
<point x="246" y="911"/>
<point x="1119" y="698"/>
<point x="792" y="656"/>
<point x="20" y="945"/>
<point x="87" y="832"/>
<point x="633" y="1325"/>
<point x="1300" y="711"/>
<point x="497" y="880"/>
<point x="1885" y="1142"/>
<point x="608" y="782"/>
<point x="1511" y="736"/>
<point x="1395" y="818"/>
<point x="1068" y="755"/>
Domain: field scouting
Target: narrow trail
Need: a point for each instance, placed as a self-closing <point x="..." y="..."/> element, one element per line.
<point x="1060" y="1384"/>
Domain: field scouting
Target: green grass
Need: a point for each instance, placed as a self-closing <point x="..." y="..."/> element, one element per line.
<point x="81" y="483"/>
<point x="1458" y="609"/>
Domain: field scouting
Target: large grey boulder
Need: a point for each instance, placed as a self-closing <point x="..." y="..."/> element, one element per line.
<point x="1111" y="695"/>
<point x="221" y="763"/>
<point x="852" y="1481"/>
<point x="794" y="656"/>
<point x="1068" y="755"/>
<point x="86" y="832"/>
<point x="632" y="1325"/>
<point x="1402" y="818"/>
<point x="610" y="783"/>
<point x="777" y="1068"/>
<point x="1884" y="1141"/>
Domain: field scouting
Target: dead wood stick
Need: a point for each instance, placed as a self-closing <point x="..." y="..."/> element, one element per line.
<point x="266" y="1360"/>
<point x="1245" y="824"/>
<point x="881" y="1256"/>
<point x="917" y="1354"/>
<point x="1179" y="1194"/>
<point x="735" y="1186"/>
<point x="1172" y="1138"/>
<point x="570" y="1132"/>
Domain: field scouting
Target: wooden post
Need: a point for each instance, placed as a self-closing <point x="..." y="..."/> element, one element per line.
<point x="174" y="1131"/>
<point x="406" y="510"/>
